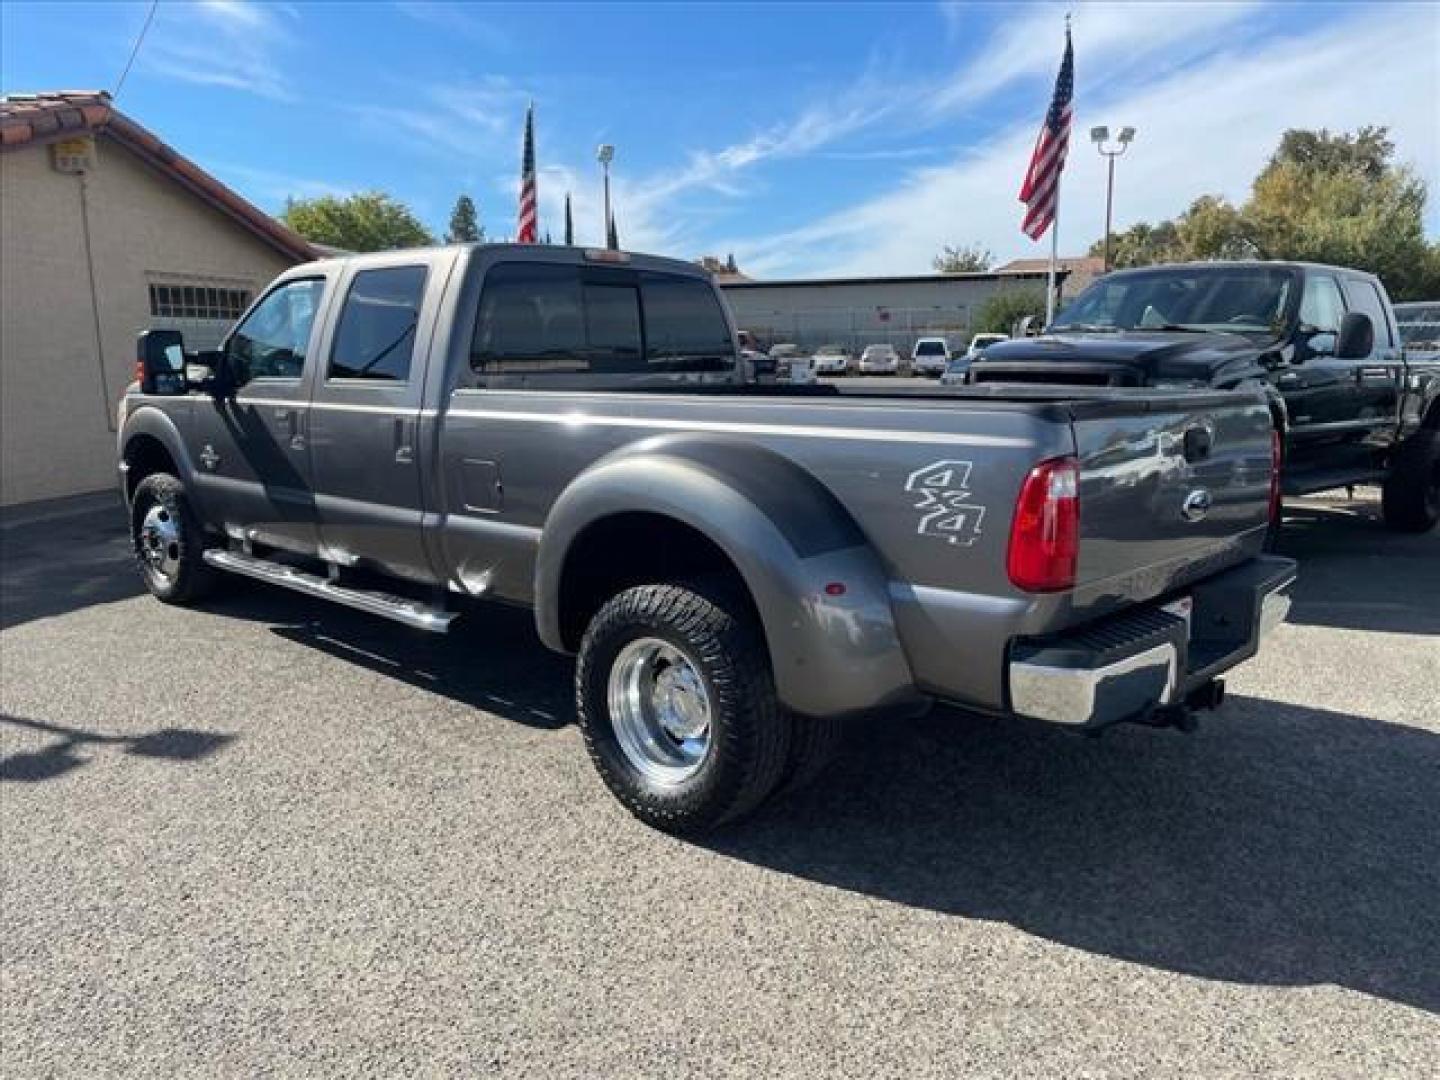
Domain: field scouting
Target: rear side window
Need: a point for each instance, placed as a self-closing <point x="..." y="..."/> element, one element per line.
<point x="685" y="328"/>
<point x="375" y="338"/>
<point x="1321" y="307"/>
<point x="568" y="320"/>
<point x="1364" y="296"/>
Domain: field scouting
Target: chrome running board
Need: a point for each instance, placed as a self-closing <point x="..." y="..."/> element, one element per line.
<point x="402" y="610"/>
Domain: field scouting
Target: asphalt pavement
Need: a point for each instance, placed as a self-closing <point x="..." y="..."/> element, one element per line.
<point x="268" y="837"/>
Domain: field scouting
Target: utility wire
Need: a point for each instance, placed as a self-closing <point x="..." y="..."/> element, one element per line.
<point x="135" y="50"/>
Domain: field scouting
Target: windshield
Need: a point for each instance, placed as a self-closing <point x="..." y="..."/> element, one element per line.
<point x="1253" y="299"/>
<point x="877" y="350"/>
<point x="929" y="348"/>
<point x="830" y="350"/>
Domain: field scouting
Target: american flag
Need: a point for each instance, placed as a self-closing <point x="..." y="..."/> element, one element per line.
<point x="1041" y="191"/>
<point x="529" y="225"/>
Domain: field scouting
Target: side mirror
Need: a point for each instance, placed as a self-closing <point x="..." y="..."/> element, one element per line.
<point x="1357" y="337"/>
<point x="160" y="362"/>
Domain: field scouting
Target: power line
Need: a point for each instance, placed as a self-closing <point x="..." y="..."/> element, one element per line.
<point x="135" y="51"/>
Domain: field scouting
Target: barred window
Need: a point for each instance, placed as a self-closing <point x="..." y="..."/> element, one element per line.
<point x="197" y="302"/>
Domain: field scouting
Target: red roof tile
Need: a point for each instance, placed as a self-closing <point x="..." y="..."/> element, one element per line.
<point x="27" y="119"/>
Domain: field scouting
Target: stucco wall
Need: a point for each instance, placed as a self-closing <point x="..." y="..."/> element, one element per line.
<point x="58" y="388"/>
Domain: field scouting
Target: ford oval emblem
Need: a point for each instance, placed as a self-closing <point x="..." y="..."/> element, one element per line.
<point x="1196" y="505"/>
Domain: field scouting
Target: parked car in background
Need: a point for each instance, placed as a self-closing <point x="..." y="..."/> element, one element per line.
<point x="737" y="568"/>
<point x="879" y="360"/>
<point x="833" y="360"/>
<point x="1350" y="405"/>
<point x="979" y="342"/>
<point x="930" y="356"/>
<point x="792" y="364"/>
<point x="1419" y="325"/>
<point x="957" y="372"/>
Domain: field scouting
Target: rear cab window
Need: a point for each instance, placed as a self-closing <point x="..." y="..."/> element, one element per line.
<point x="551" y="324"/>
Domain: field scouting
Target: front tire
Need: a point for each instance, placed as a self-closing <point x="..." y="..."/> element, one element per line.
<point x="677" y="705"/>
<point x="168" y="541"/>
<point x="1410" y="500"/>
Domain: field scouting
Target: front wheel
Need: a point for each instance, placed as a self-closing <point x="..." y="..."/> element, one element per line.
<point x="169" y="543"/>
<point x="1410" y="501"/>
<point x="677" y="706"/>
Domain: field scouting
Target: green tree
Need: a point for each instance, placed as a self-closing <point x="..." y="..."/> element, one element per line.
<point x="1002" y="310"/>
<point x="368" y="221"/>
<point x="464" y="223"/>
<point x="964" y="259"/>
<point x="1338" y="199"/>
<point x="1322" y="197"/>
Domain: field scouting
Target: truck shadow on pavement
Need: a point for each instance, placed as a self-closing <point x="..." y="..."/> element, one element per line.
<point x="490" y="660"/>
<point x="55" y="567"/>
<point x="58" y="758"/>
<point x="1356" y="574"/>
<point x="1280" y="845"/>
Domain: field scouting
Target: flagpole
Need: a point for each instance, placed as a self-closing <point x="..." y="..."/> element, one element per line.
<point x="1054" y="256"/>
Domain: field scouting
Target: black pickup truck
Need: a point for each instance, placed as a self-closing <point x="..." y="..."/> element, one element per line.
<point x="1350" y="404"/>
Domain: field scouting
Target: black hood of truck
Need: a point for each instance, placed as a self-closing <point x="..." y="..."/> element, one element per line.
<point x="1147" y="354"/>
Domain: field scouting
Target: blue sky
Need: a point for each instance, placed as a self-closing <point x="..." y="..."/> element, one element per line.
<point x="813" y="139"/>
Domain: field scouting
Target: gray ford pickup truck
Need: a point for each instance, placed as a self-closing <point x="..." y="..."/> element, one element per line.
<point x="737" y="567"/>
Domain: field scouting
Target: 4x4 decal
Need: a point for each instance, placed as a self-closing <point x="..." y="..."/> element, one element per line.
<point x="944" y="493"/>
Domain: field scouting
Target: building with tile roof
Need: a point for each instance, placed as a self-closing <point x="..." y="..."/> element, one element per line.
<point x="104" y="231"/>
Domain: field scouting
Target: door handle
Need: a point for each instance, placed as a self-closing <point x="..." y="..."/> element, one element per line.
<point x="404" y="451"/>
<point x="292" y="417"/>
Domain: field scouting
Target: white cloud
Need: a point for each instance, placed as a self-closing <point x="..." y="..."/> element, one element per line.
<point x="269" y="187"/>
<point x="472" y="119"/>
<point x="228" y="43"/>
<point x="455" y="20"/>
<point x="1106" y="37"/>
<point x="1207" y="129"/>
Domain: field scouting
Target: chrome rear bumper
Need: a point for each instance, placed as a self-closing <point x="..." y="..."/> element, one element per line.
<point x="1126" y="667"/>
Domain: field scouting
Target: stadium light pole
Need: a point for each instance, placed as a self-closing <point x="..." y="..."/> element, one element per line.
<point x="1100" y="136"/>
<point x="605" y="153"/>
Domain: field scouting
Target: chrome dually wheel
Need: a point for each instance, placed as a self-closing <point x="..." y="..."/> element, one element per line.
<point x="159" y="542"/>
<point x="660" y="710"/>
<point x="677" y="704"/>
<point x="169" y="542"/>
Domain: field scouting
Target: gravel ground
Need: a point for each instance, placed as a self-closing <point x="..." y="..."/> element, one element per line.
<point x="272" y="838"/>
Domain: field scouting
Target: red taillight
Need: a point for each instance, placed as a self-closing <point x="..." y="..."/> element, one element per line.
<point x="1045" y="534"/>
<point x="1275" y="461"/>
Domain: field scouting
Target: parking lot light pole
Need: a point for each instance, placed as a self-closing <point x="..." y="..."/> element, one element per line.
<point x="605" y="153"/>
<point x="1100" y="136"/>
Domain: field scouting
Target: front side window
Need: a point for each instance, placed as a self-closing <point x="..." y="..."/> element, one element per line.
<point x="272" y="341"/>
<point x="1363" y="296"/>
<point x="1321" y="307"/>
<point x="375" y="338"/>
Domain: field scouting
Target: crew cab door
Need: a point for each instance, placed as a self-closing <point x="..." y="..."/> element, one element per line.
<point x="249" y="445"/>
<point x="1379" y="376"/>
<point x="364" y="419"/>
<point x="1331" y="398"/>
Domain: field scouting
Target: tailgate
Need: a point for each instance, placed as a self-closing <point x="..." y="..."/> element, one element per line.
<point x="1173" y="487"/>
